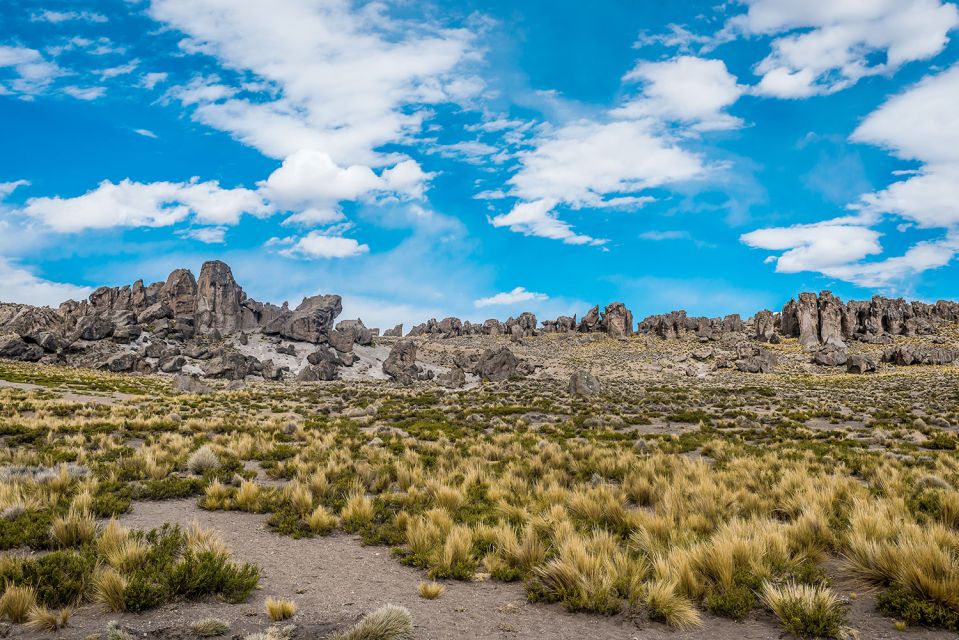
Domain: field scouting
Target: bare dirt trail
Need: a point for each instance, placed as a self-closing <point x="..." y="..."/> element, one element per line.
<point x="334" y="580"/>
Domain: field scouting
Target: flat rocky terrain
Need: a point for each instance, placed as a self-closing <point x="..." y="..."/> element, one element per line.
<point x="791" y="474"/>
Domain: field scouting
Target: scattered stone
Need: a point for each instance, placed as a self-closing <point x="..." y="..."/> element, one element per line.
<point x="584" y="383"/>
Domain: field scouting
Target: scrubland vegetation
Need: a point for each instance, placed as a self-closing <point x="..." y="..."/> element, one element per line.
<point x="759" y="502"/>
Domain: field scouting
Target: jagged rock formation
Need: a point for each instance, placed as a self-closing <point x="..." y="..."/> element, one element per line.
<point x="677" y="324"/>
<point x="401" y="365"/>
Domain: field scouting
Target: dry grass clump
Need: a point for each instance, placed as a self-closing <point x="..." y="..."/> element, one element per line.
<point x="321" y="521"/>
<point x="73" y="529"/>
<point x="389" y="622"/>
<point x="357" y="513"/>
<point x="43" y="619"/>
<point x="665" y="604"/>
<point x="109" y="589"/>
<point x="280" y="609"/>
<point x="202" y="460"/>
<point x="430" y="590"/>
<point x="807" y="611"/>
<point x="17" y="602"/>
<point x="210" y="627"/>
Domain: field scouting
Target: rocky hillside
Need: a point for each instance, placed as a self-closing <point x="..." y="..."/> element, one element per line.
<point x="208" y="326"/>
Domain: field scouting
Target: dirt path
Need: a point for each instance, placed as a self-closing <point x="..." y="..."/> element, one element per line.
<point x="67" y="395"/>
<point x="334" y="580"/>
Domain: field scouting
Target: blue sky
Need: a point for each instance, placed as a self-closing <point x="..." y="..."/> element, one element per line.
<point x="479" y="158"/>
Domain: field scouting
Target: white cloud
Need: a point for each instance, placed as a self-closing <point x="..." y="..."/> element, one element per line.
<point x="660" y="236"/>
<point x="346" y="79"/>
<point x="207" y="235"/>
<point x="32" y="73"/>
<point x="57" y="17"/>
<point x="519" y="294"/>
<point x="685" y="89"/>
<point x="146" y="133"/>
<point x="85" y="93"/>
<point x="822" y="46"/>
<point x="156" y="204"/>
<point x="537" y="218"/>
<point x="6" y="188"/>
<point x="152" y="79"/>
<point x="317" y="245"/>
<point x="19" y="285"/>
<point x="821" y="247"/>
<point x="310" y="183"/>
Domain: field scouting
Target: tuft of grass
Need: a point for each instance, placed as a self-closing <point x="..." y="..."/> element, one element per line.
<point x="210" y="627"/>
<point x="280" y="609"/>
<point x="666" y="605"/>
<point x="74" y="528"/>
<point x="357" y="513"/>
<point x="431" y="590"/>
<point x="41" y="618"/>
<point x="109" y="589"/>
<point x="807" y="611"/>
<point x="321" y="521"/>
<point x="16" y="603"/>
<point x="389" y="622"/>
<point x="202" y="460"/>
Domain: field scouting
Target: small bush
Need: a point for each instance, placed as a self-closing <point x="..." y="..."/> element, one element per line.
<point x="665" y="605"/>
<point x="109" y="589"/>
<point x="75" y="528"/>
<point x="807" y="611"/>
<point x="280" y="609"/>
<point x="903" y="604"/>
<point x="202" y="460"/>
<point x="321" y="521"/>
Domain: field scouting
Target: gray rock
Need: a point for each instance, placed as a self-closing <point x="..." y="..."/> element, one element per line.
<point x="94" y="328"/>
<point x="190" y="384"/>
<point x="16" y="348"/>
<point x="764" y="325"/>
<point x="311" y="321"/>
<point x="590" y="321"/>
<point x="496" y="365"/>
<point x="400" y="365"/>
<point x="830" y="355"/>
<point x="121" y="363"/>
<point x="455" y="378"/>
<point x="342" y="340"/>
<point x="584" y="383"/>
<point x="860" y="363"/>
<point x="218" y="299"/>
<point x="757" y="360"/>
<point x="230" y="365"/>
<point x="171" y="364"/>
<point x="617" y="320"/>
<point x="395" y="332"/>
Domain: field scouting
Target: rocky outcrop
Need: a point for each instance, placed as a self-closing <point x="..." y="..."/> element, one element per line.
<point x="395" y="332"/>
<point x="562" y="324"/>
<point x="617" y="320"/>
<point x="230" y="365"/>
<point x="523" y="326"/>
<point x="755" y="360"/>
<point x="455" y="378"/>
<point x="323" y="365"/>
<point x="590" y="321"/>
<point x="16" y="348"/>
<point x="906" y="355"/>
<point x="764" y="325"/>
<point x="218" y="299"/>
<point x="311" y="321"/>
<point x="584" y="383"/>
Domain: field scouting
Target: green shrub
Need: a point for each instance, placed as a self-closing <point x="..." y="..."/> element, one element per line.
<point x="898" y="602"/>
<point x="29" y="529"/>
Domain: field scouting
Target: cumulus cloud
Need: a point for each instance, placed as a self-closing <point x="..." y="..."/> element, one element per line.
<point x="19" y="285"/>
<point x="315" y="244"/>
<point x="206" y="235"/>
<point x="685" y="89"/>
<point x="6" y="188"/>
<point x="821" y="247"/>
<point x="519" y="294"/>
<point x="823" y="46"/>
<point x="57" y="17"/>
<point x="346" y="79"/>
<point x="156" y="204"/>
<point x="310" y="183"/>
<point x="609" y="161"/>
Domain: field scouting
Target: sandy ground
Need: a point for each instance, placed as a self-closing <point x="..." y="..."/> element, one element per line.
<point x="335" y="580"/>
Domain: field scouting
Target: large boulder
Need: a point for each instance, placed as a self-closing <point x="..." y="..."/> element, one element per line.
<point x="395" y="332"/>
<point x="830" y="355"/>
<point x="496" y="365"/>
<point x="230" y="365"/>
<point x="94" y="328"/>
<point x="860" y="363"/>
<point x="453" y="379"/>
<point x="584" y="383"/>
<point x="361" y="334"/>
<point x="807" y="320"/>
<point x="590" y="321"/>
<point x="122" y="362"/>
<point x="190" y="384"/>
<point x="617" y="320"/>
<point x="400" y="365"/>
<point x="342" y="340"/>
<point x="523" y="326"/>
<point x="16" y="348"/>
<point x="912" y="354"/>
<point x="324" y="365"/>
<point x="830" y="319"/>
<point x="311" y="321"/>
